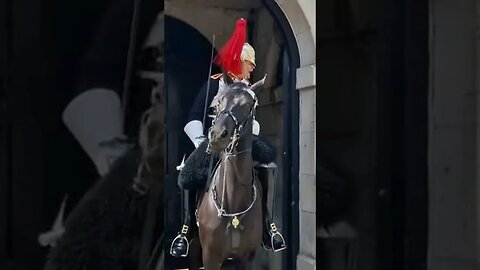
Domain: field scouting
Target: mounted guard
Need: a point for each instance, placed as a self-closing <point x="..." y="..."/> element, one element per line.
<point x="193" y="176"/>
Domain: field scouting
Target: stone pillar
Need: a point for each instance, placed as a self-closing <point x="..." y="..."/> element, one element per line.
<point x="306" y="259"/>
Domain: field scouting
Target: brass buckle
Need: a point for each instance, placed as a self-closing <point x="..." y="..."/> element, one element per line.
<point x="184" y="229"/>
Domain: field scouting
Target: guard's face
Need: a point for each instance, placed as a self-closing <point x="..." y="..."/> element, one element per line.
<point x="232" y="110"/>
<point x="247" y="68"/>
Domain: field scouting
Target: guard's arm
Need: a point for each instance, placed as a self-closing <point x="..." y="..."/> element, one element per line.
<point x="194" y="127"/>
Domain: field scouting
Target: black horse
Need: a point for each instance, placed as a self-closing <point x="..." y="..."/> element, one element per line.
<point x="233" y="198"/>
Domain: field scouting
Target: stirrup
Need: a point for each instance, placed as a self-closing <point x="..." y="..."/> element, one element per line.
<point x="283" y="247"/>
<point x="182" y="236"/>
<point x="275" y="232"/>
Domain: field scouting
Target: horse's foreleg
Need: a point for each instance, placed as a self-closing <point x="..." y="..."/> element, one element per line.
<point x="195" y="254"/>
<point x="211" y="262"/>
<point x="246" y="261"/>
<point x="212" y="265"/>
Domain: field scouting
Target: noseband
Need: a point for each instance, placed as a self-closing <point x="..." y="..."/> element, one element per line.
<point x="238" y="126"/>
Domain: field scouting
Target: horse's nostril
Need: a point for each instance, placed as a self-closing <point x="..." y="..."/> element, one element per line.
<point x="224" y="133"/>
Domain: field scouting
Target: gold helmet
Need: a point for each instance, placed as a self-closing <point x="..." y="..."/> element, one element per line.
<point x="248" y="53"/>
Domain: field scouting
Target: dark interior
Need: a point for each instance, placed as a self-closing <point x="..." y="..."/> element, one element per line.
<point x="41" y="51"/>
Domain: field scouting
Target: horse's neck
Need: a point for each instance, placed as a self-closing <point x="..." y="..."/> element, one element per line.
<point x="236" y="173"/>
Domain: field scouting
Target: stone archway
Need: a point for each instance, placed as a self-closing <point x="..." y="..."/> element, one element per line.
<point x="301" y="15"/>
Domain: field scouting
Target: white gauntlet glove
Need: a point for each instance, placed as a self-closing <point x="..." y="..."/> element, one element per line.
<point x="256" y="127"/>
<point x="93" y="117"/>
<point x="194" y="131"/>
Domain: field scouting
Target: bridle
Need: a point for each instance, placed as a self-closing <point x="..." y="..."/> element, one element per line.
<point x="231" y="151"/>
<point x="238" y="125"/>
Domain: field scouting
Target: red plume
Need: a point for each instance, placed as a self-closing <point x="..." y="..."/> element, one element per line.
<point x="229" y="55"/>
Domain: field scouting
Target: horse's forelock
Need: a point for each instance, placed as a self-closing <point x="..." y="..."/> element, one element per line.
<point x="237" y="88"/>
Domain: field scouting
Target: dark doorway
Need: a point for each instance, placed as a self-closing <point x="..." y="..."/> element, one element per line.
<point x="187" y="65"/>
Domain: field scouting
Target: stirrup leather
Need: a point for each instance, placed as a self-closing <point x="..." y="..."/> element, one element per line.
<point x="275" y="232"/>
<point x="182" y="236"/>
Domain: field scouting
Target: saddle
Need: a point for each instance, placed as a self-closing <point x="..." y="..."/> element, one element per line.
<point x="194" y="174"/>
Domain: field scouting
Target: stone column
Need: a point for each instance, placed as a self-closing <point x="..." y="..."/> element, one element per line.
<point x="306" y="258"/>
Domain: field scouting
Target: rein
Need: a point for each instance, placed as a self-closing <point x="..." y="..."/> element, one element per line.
<point x="220" y="206"/>
<point x="231" y="151"/>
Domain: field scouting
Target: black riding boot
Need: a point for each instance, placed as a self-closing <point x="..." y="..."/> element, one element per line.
<point x="180" y="245"/>
<point x="272" y="238"/>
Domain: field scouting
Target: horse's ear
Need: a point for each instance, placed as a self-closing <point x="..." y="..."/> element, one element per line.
<point x="258" y="85"/>
<point x="226" y="77"/>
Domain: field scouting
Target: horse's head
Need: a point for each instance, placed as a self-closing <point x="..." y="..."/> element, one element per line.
<point x="235" y="110"/>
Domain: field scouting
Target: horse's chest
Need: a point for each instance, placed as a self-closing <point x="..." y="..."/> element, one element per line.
<point x="234" y="234"/>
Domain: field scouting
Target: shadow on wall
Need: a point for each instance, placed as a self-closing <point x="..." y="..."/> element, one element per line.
<point x="334" y="195"/>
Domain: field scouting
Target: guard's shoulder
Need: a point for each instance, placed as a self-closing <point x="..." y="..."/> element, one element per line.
<point x="216" y="76"/>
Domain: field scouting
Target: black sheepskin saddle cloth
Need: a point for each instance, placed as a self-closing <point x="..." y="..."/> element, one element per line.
<point x="194" y="174"/>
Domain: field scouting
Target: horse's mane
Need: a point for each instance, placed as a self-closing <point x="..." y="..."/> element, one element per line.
<point x="236" y="89"/>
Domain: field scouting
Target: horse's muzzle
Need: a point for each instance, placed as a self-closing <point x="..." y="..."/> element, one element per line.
<point x="218" y="139"/>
